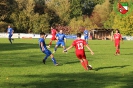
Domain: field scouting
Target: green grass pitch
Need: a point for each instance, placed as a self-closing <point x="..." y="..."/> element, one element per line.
<point x="21" y="66"/>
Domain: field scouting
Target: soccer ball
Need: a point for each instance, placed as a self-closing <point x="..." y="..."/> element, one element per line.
<point x="89" y="67"/>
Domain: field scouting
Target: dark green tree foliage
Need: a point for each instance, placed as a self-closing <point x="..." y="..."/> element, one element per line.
<point x="38" y="15"/>
<point x="26" y="20"/>
<point x="76" y="9"/>
<point x="6" y="8"/>
<point x="87" y="7"/>
<point x="39" y="6"/>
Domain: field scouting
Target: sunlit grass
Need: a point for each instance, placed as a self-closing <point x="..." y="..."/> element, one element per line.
<point x="21" y="66"/>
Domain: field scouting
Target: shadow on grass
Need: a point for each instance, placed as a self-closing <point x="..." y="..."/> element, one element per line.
<point x="128" y="54"/>
<point x="72" y="62"/>
<point x="19" y="62"/>
<point x="17" y="46"/>
<point x="74" y="80"/>
<point x="126" y="48"/>
<point x="100" y="68"/>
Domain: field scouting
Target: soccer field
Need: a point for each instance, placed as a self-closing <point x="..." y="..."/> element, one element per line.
<point x="21" y="66"/>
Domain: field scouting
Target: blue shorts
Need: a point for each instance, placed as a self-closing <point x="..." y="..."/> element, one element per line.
<point x="47" y="52"/>
<point x="86" y="37"/>
<point x="10" y="35"/>
<point x="60" y="43"/>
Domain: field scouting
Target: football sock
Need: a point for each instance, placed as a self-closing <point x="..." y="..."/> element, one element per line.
<point x="45" y="57"/>
<point x="118" y="51"/>
<point x="50" y="43"/>
<point x="10" y="40"/>
<point x="55" y="49"/>
<point x="65" y="50"/>
<point x="84" y="66"/>
<point x="54" y="61"/>
<point x="86" y="62"/>
<point x="87" y="41"/>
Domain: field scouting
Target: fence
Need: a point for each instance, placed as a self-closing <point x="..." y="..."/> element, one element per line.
<point x="24" y="35"/>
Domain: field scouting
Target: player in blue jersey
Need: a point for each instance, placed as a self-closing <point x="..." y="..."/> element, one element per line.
<point x="61" y="40"/>
<point x="10" y="32"/>
<point x="44" y="49"/>
<point x="86" y="35"/>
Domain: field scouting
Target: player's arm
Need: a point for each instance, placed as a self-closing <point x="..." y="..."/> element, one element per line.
<point x="42" y="46"/>
<point x="89" y="34"/>
<point x="113" y="38"/>
<point x="68" y="48"/>
<point x="45" y="36"/>
<point x="121" y="39"/>
<point x="56" y="36"/>
<point x="65" y="40"/>
<point x="89" y="49"/>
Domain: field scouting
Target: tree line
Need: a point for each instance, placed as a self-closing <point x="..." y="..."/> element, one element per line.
<point x="70" y="15"/>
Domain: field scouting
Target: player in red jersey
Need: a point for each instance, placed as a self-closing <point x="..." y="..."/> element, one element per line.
<point x="117" y="39"/>
<point x="53" y="38"/>
<point x="80" y="52"/>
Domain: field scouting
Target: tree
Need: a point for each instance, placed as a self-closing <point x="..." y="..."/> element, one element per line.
<point x="110" y="21"/>
<point x="26" y="20"/>
<point x="101" y="13"/>
<point x="76" y="9"/>
<point x="124" y="24"/>
<point x="61" y="8"/>
<point x="6" y="8"/>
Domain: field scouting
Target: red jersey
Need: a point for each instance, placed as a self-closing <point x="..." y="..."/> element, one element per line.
<point x="79" y="46"/>
<point x="117" y="37"/>
<point x="53" y="32"/>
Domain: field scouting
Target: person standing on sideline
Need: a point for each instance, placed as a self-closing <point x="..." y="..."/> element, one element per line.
<point x="86" y="35"/>
<point x="61" y="39"/>
<point x="80" y="52"/>
<point x="10" y="32"/>
<point x="53" y="38"/>
<point x="44" y="49"/>
<point x="117" y="38"/>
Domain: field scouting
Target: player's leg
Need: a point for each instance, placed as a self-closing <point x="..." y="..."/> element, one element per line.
<point x="48" y="53"/>
<point x="81" y="61"/>
<point x="116" y="48"/>
<point x="12" y="38"/>
<point x="45" y="58"/>
<point x="83" y="64"/>
<point x="119" y="49"/>
<point x="9" y="38"/>
<point x="53" y="59"/>
<point x="50" y="43"/>
<point x="86" y="39"/>
<point x="56" y="46"/>
<point x="83" y="56"/>
<point x="88" y="67"/>
<point x="63" y="45"/>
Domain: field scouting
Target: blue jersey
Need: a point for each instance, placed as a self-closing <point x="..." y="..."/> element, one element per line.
<point x="44" y="45"/>
<point x="10" y="30"/>
<point x="86" y="32"/>
<point x="61" y="37"/>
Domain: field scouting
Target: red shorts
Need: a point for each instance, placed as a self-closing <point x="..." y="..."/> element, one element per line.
<point x="117" y="44"/>
<point x="53" y="38"/>
<point x="81" y="56"/>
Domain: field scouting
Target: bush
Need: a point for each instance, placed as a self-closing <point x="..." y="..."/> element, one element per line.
<point x="3" y="26"/>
